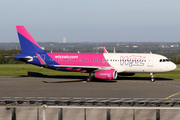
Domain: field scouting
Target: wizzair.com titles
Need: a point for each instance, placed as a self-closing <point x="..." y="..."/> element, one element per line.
<point x="67" y="56"/>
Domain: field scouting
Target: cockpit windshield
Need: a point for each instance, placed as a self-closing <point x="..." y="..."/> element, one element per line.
<point x="163" y="60"/>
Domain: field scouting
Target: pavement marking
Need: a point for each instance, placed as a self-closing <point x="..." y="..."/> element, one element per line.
<point x="143" y="109"/>
<point x="84" y="81"/>
<point x="172" y="95"/>
<point x="165" y="98"/>
<point x="133" y="114"/>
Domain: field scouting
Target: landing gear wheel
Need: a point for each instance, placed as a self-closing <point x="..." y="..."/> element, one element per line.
<point x="89" y="79"/>
<point x="152" y="77"/>
<point x="152" y="80"/>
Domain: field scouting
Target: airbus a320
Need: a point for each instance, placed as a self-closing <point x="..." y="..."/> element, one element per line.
<point x="105" y="66"/>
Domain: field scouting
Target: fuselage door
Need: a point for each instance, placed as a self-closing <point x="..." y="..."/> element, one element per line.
<point x="150" y="61"/>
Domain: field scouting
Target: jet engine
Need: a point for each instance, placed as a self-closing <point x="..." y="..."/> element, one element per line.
<point x="106" y="74"/>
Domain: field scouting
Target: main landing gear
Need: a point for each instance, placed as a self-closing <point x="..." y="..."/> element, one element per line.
<point x="152" y="77"/>
<point x="89" y="78"/>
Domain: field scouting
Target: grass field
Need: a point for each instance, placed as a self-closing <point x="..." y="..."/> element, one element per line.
<point x="23" y="69"/>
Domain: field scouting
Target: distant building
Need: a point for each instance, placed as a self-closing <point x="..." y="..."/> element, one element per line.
<point x="169" y="46"/>
<point x="176" y="45"/>
<point x="42" y="47"/>
<point x="64" y="40"/>
<point x="135" y="46"/>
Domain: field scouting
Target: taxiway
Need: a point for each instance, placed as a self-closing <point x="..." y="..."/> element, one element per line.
<point x="19" y="86"/>
<point x="73" y="87"/>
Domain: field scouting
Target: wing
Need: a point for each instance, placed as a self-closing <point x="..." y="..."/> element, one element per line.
<point x="80" y="68"/>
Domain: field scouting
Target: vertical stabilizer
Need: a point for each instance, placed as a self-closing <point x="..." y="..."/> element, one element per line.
<point x="28" y="44"/>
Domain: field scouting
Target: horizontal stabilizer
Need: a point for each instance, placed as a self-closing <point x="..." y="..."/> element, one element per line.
<point x="23" y="57"/>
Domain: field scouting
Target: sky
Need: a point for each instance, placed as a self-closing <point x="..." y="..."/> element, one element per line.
<point x="91" y="20"/>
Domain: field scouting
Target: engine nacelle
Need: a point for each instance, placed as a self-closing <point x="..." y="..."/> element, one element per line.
<point x="106" y="74"/>
<point x="126" y="74"/>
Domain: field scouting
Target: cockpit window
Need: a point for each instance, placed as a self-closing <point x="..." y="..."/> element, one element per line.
<point x="163" y="60"/>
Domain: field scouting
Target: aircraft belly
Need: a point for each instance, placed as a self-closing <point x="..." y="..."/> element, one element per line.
<point x="139" y="69"/>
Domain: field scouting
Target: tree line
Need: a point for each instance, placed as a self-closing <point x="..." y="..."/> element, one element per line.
<point x="6" y="57"/>
<point x="175" y="59"/>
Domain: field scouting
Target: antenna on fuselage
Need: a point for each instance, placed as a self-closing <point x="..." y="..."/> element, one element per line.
<point x="150" y="52"/>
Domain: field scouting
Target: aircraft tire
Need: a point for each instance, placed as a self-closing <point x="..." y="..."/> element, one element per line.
<point x="152" y="80"/>
<point x="89" y="79"/>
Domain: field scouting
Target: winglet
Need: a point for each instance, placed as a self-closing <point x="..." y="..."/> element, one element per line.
<point x="104" y="49"/>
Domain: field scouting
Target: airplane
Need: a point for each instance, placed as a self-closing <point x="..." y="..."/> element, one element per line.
<point x="105" y="66"/>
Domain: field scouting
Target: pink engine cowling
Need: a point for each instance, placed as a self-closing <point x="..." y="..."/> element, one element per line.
<point x="106" y="74"/>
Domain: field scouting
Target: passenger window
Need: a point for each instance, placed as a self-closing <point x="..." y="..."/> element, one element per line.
<point x="160" y="60"/>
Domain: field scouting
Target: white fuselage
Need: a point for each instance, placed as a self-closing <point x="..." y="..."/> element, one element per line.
<point x="139" y="62"/>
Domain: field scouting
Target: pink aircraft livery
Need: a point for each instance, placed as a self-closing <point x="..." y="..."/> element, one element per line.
<point x="105" y="66"/>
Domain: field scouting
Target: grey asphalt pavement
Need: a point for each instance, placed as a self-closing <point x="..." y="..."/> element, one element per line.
<point x="19" y="86"/>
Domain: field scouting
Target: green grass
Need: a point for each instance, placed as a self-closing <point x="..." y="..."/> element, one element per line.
<point x="23" y="69"/>
<point x="178" y="66"/>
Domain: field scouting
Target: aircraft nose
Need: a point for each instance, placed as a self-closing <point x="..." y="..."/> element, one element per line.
<point x="172" y="66"/>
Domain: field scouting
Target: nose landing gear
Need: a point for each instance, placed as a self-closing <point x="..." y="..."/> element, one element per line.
<point x="152" y="77"/>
